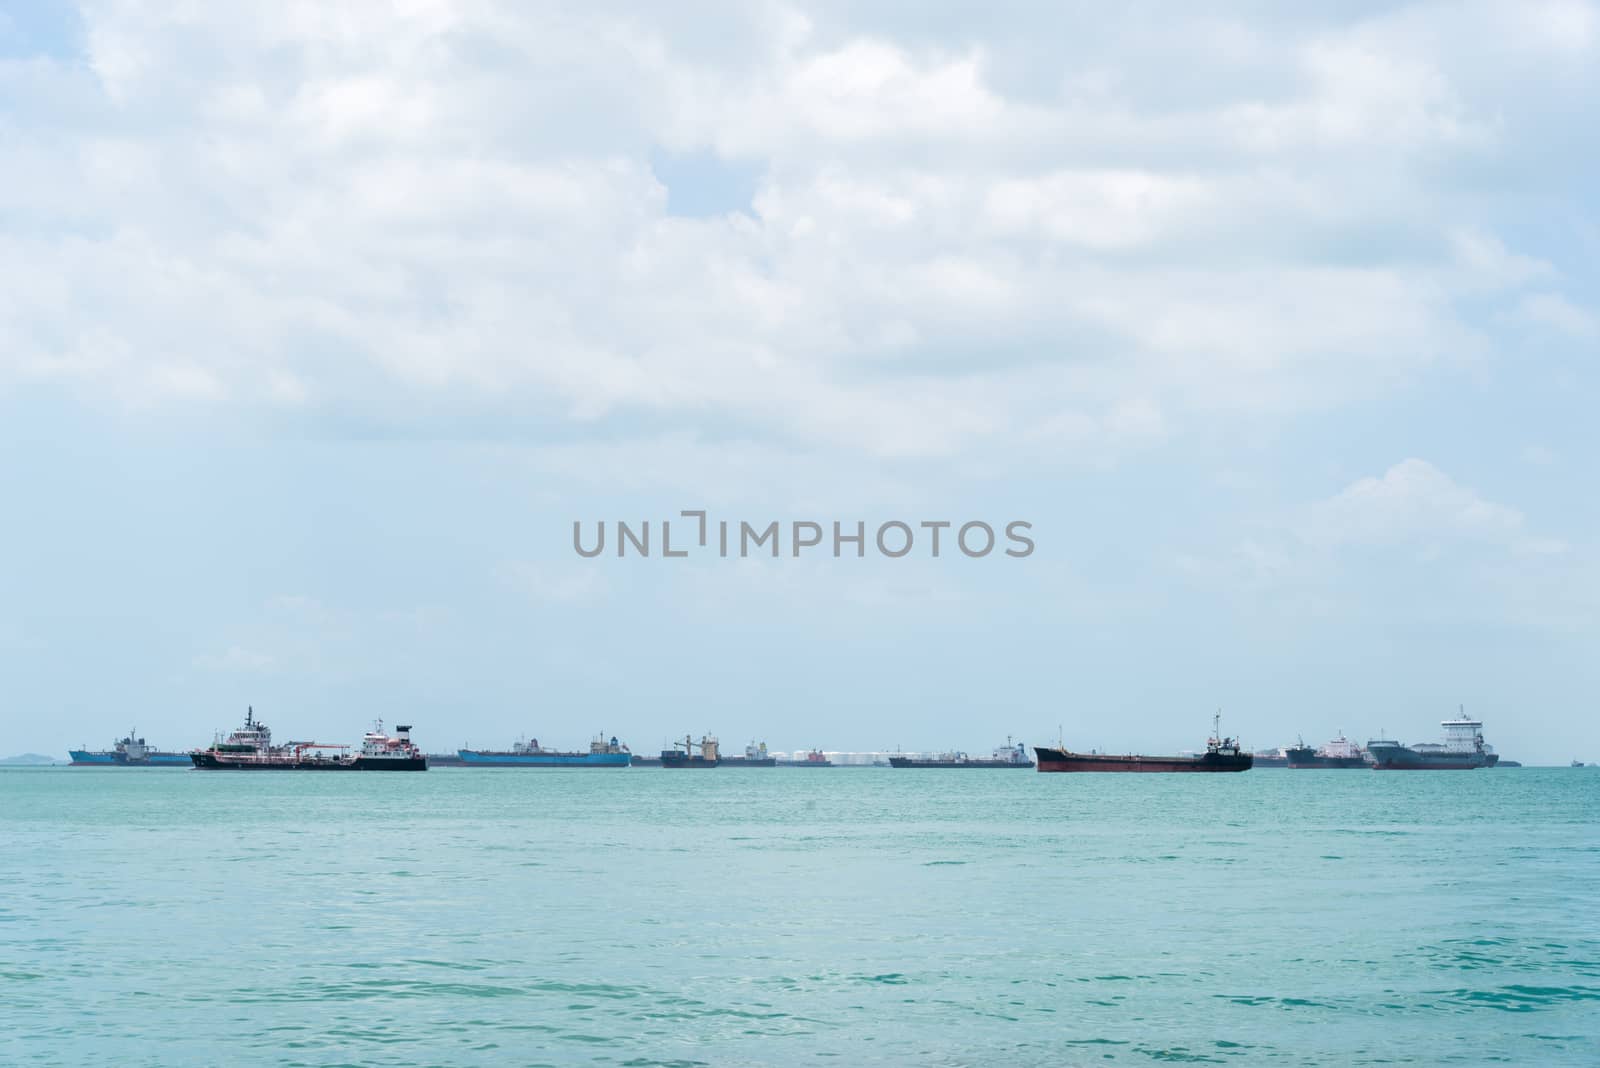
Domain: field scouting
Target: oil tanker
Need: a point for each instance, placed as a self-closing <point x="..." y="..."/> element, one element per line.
<point x="601" y="754"/>
<point x="1341" y="752"/>
<point x="1222" y="754"/>
<point x="1005" y="756"/>
<point x="250" y="748"/>
<point x="130" y="752"/>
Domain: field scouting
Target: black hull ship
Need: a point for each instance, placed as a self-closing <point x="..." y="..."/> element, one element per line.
<point x="1222" y="754"/>
<point x="250" y="748"/>
<point x="1339" y="753"/>
<point x="682" y="755"/>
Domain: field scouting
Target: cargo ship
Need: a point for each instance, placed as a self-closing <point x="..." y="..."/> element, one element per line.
<point x="1005" y="756"/>
<point x="601" y="754"/>
<point x="1271" y="758"/>
<point x="250" y="748"/>
<point x="1222" y="754"/>
<point x="811" y="759"/>
<point x="755" y="756"/>
<point x="682" y="755"/>
<point x="1463" y="749"/>
<point x="1341" y="752"/>
<point x="130" y="752"/>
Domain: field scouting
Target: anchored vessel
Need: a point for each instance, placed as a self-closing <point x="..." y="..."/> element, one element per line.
<point x="812" y="759"/>
<point x="130" y="752"/>
<point x="601" y="754"/>
<point x="1463" y="749"/>
<point x="250" y="748"/>
<point x="1341" y="752"/>
<point x="1222" y="754"/>
<point x="682" y="755"/>
<point x="1272" y="758"/>
<point x="1005" y="756"/>
<point x="755" y="756"/>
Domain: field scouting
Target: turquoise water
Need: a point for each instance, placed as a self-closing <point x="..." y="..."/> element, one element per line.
<point x="794" y="916"/>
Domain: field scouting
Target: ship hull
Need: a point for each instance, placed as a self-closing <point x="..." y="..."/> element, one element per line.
<point x="681" y="761"/>
<point x="1404" y="758"/>
<point x="913" y="762"/>
<point x="1065" y="760"/>
<point x="485" y="758"/>
<point x="1402" y="764"/>
<point x="747" y="762"/>
<point x="208" y="761"/>
<point x="104" y="758"/>
<point x="1326" y="762"/>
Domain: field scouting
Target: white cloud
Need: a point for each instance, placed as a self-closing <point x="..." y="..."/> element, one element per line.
<point x="563" y="584"/>
<point x="1554" y="310"/>
<point x="1412" y="501"/>
<point x="954" y="246"/>
<point x="237" y="658"/>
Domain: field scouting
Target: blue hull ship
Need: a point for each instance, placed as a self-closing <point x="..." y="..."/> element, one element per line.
<point x="154" y="760"/>
<point x="130" y="752"/>
<point x="601" y="754"/>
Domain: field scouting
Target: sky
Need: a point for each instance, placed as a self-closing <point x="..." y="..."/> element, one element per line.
<point x="320" y="326"/>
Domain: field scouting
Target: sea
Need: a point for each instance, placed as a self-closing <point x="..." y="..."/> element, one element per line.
<point x="783" y="916"/>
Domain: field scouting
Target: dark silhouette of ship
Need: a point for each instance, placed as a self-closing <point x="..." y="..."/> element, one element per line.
<point x="683" y="755"/>
<point x="1341" y="752"/>
<point x="1222" y="754"/>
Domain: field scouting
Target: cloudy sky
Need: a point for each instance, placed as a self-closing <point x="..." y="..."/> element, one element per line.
<point x="321" y="324"/>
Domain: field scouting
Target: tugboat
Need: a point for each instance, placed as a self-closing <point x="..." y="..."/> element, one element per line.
<point x="755" y="756"/>
<point x="601" y="754"/>
<point x="1005" y="756"/>
<point x="1339" y="753"/>
<point x="250" y="748"/>
<point x="1222" y="754"/>
<point x="130" y="752"/>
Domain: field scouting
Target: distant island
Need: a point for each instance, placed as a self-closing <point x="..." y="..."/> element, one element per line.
<point x="31" y="759"/>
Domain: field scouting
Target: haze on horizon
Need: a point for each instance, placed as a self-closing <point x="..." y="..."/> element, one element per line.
<point x="320" y="326"/>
